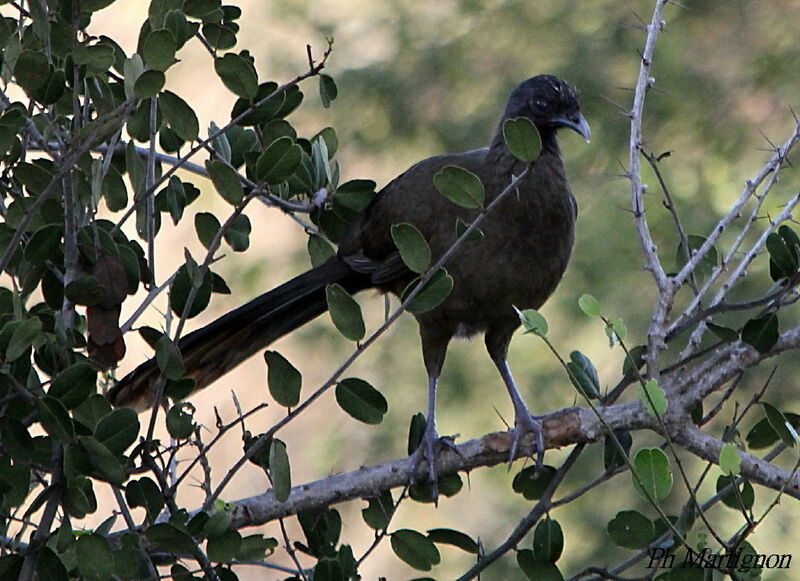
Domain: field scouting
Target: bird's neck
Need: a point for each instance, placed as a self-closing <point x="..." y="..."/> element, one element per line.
<point x="500" y="155"/>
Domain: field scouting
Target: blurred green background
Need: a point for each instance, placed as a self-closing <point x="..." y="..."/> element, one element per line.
<point x="420" y="78"/>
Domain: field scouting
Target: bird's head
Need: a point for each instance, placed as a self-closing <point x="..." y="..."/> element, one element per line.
<point x="550" y="104"/>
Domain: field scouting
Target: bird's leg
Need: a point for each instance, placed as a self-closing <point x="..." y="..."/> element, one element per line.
<point x="426" y="452"/>
<point x="524" y="420"/>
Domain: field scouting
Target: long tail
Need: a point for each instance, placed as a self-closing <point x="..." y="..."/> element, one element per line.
<point x="210" y="352"/>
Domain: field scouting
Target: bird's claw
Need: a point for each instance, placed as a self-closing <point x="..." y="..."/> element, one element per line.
<point x="426" y="455"/>
<point x="525" y="423"/>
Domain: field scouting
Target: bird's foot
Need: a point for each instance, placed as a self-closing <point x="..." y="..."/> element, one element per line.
<point x="422" y="468"/>
<point x="525" y="423"/>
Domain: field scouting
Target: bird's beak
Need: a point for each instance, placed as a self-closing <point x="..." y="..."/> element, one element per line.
<point x="578" y="124"/>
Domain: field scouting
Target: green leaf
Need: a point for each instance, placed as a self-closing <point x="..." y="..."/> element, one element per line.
<point x="415" y="549"/>
<point x="613" y="456"/>
<point x="103" y="460"/>
<point x="631" y="529"/>
<point x="49" y="566"/>
<point x="536" y="570"/>
<point x="31" y="70"/>
<point x="461" y="227"/>
<point x="522" y="138"/>
<point x="114" y="190"/>
<point x="23" y="337"/>
<point x="455" y="538"/>
<point x="725" y="333"/>
<point x="431" y="296"/>
<point x="532" y="321"/>
<point x="94" y="5"/>
<point x="180" y="289"/>
<point x="74" y="385"/>
<point x="54" y="419"/>
<point x="345" y="312"/>
<point x="144" y="492"/>
<point x="17" y="442"/>
<point x="280" y="470"/>
<point x="85" y="290"/>
<point x="706" y="264"/>
<point x="761" y="332"/>
<point x="170" y="538"/>
<point x="206" y="225"/>
<point x="583" y="375"/>
<point x="653" y="398"/>
<point x="237" y="74"/>
<point x="327" y="90"/>
<point x="132" y="68"/>
<point x="180" y="420"/>
<point x="44" y="245"/>
<point x="180" y="117"/>
<point x="413" y="248"/>
<point x="158" y="49"/>
<point x="548" y="540"/>
<point x="589" y="305"/>
<point x="762" y="435"/>
<point x="200" y="8"/>
<point x="460" y="186"/>
<point x="226" y="181"/>
<point x="532" y="483"/>
<point x="780" y="424"/>
<point x="319" y="250"/>
<point x="731" y="499"/>
<point x="652" y="467"/>
<point x="95" y="559"/>
<point x="729" y="459"/>
<point x="379" y="511"/>
<point x="169" y="359"/>
<point x="278" y="161"/>
<point x="283" y="379"/>
<point x="238" y="233"/>
<point x="362" y="401"/>
<point x="782" y="253"/>
<point x="356" y="194"/>
<point x="616" y="330"/>
<point x="224" y="547"/>
<point x="256" y="548"/>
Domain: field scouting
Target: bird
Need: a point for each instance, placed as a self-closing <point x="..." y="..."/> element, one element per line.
<point x="517" y="264"/>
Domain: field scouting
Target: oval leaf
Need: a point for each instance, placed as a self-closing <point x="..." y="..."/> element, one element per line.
<point x="653" y="398"/>
<point x="345" y="312"/>
<point x="652" y="467"/>
<point x="415" y="549"/>
<point x="431" y="296"/>
<point x="455" y="538"/>
<point x="729" y="459"/>
<point x="548" y="541"/>
<point x="780" y="424"/>
<point x="532" y="321"/>
<point x="362" y="401"/>
<point x="226" y="181"/>
<point x="589" y="305"/>
<point x="280" y="470"/>
<point x="522" y="138"/>
<point x="278" y="161"/>
<point x="761" y="332"/>
<point x="631" y="529"/>
<point x="283" y="379"/>
<point x="237" y="74"/>
<point x="460" y="186"/>
<point x="413" y="248"/>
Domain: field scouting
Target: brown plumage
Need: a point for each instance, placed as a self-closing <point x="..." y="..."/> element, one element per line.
<point x="519" y="261"/>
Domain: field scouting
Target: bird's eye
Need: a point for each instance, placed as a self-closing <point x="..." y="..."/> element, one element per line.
<point x="541" y="105"/>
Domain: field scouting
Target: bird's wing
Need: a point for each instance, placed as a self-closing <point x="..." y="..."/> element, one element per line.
<point x="412" y="198"/>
